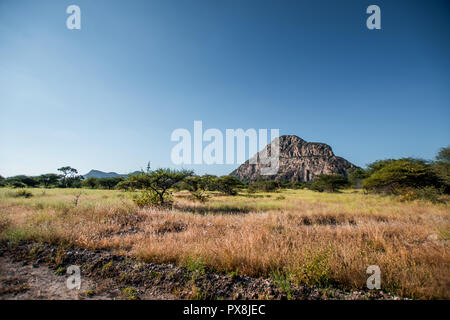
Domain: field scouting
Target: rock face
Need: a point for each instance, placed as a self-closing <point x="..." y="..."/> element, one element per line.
<point x="299" y="161"/>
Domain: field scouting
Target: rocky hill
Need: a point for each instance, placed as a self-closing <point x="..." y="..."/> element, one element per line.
<point x="299" y="161"/>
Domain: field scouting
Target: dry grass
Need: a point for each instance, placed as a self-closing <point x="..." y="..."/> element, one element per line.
<point x="308" y="237"/>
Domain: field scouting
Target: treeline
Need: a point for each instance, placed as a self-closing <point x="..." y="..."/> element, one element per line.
<point x="52" y="180"/>
<point x="407" y="177"/>
<point x="156" y="186"/>
<point x="68" y="178"/>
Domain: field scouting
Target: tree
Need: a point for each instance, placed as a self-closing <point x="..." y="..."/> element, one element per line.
<point x="197" y="186"/>
<point x="208" y="182"/>
<point x="329" y="183"/>
<point x="444" y="155"/>
<point x="356" y="177"/>
<point x="441" y="167"/>
<point x="264" y="185"/>
<point x="109" y="183"/>
<point x="227" y="185"/>
<point x="22" y="180"/>
<point x="400" y="174"/>
<point x="155" y="184"/>
<point x="69" y="176"/>
<point x="162" y="180"/>
<point x="91" y="183"/>
<point x="49" y="179"/>
<point x="377" y="165"/>
<point x="16" y="184"/>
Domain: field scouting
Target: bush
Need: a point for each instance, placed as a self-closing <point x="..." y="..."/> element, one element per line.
<point x="264" y="185"/>
<point x="293" y="185"/>
<point x="22" y="181"/>
<point x="149" y="198"/>
<point x="91" y="183"/>
<point x="23" y="193"/>
<point x="49" y="179"/>
<point x="401" y="174"/>
<point x="108" y="183"/>
<point x="156" y="185"/>
<point x="197" y="186"/>
<point x="17" y="184"/>
<point x="200" y="195"/>
<point x="227" y="185"/>
<point x="329" y="183"/>
<point x="442" y="168"/>
<point x="428" y="193"/>
<point x="356" y="177"/>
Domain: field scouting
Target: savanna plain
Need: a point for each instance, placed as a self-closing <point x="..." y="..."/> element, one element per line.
<point x="294" y="237"/>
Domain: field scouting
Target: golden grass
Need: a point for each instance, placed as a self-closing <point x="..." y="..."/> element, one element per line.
<point x="310" y="238"/>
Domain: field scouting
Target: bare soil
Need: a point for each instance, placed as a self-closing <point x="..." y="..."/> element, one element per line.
<point x="37" y="271"/>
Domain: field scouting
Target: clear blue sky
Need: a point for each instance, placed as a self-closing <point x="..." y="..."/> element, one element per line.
<point x="108" y="96"/>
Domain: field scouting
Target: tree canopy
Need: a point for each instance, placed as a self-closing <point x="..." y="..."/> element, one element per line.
<point x="400" y="174"/>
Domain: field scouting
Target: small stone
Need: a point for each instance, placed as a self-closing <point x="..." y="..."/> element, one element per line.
<point x="432" y="237"/>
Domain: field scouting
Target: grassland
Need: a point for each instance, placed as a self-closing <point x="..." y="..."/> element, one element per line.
<point x="298" y="236"/>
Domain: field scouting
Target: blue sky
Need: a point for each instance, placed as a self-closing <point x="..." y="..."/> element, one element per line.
<point x="109" y="96"/>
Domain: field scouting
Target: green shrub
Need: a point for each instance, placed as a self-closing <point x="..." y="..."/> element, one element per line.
<point x="428" y="193"/>
<point x="227" y="185"/>
<point x="23" y="193"/>
<point x="200" y="195"/>
<point x="264" y="185"/>
<point x="329" y="183"/>
<point x="16" y="184"/>
<point x="401" y="174"/>
<point x="156" y="185"/>
<point x="149" y="198"/>
<point x="60" y="271"/>
<point x="91" y="183"/>
<point x="356" y="177"/>
<point x="283" y="281"/>
<point x="197" y="186"/>
<point x="130" y="293"/>
<point x="442" y="168"/>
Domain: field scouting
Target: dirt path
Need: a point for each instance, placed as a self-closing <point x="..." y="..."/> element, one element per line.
<point x="38" y="271"/>
<point x="23" y="281"/>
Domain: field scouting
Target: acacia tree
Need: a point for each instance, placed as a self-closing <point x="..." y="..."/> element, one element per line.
<point x="227" y="184"/>
<point x="22" y="180"/>
<point x="197" y="186"/>
<point x="68" y="175"/>
<point x="356" y="177"/>
<point x="90" y="182"/>
<point x="155" y="184"/>
<point x="442" y="168"/>
<point x="162" y="180"/>
<point x="48" y="179"/>
<point x="400" y="174"/>
<point x="109" y="183"/>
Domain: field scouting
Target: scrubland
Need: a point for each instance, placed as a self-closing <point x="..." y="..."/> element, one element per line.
<point x="300" y="236"/>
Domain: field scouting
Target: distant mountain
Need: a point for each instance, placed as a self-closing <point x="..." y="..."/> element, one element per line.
<point x="299" y="161"/>
<point x="100" y="174"/>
